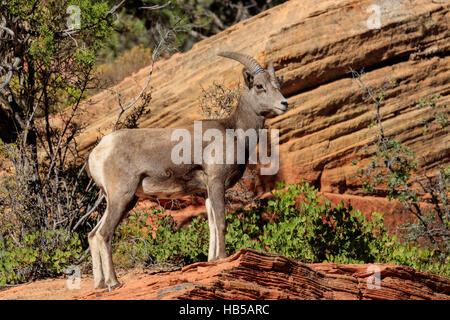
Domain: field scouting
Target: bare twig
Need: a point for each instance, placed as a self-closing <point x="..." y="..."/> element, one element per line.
<point x="67" y="124"/>
<point x="156" y="53"/>
<point x="94" y="207"/>
<point x="8" y="30"/>
<point x="357" y="76"/>
<point x="11" y="69"/>
<point x="156" y="7"/>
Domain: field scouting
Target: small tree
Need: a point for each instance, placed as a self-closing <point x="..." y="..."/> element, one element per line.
<point x="396" y="168"/>
<point x="48" y="51"/>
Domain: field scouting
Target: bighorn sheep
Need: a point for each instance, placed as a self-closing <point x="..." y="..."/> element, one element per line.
<point x="136" y="163"/>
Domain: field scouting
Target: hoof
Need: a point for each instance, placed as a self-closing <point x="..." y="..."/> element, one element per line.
<point x="100" y="285"/>
<point x="114" y="286"/>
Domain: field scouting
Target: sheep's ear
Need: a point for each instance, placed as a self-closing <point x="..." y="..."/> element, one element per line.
<point x="280" y="80"/>
<point x="248" y="78"/>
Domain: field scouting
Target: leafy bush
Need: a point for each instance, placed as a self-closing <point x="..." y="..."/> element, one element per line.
<point x="38" y="219"/>
<point x="37" y="254"/>
<point x="136" y="242"/>
<point x="45" y="200"/>
<point x="130" y="243"/>
<point x="309" y="230"/>
<point x="315" y="232"/>
<point x="182" y="246"/>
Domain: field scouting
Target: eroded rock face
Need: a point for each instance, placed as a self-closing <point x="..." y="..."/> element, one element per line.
<point x="251" y="274"/>
<point x="313" y="45"/>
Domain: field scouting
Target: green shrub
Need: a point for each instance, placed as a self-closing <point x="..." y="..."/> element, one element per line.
<point x="244" y="229"/>
<point x="38" y="254"/>
<point x="130" y="243"/>
<point x="134" y="242"/>
<point x="313" y="231"/>
<point x="43" y="193"/>
<point x="309" y="230"/>
<point x="182" y="246"/>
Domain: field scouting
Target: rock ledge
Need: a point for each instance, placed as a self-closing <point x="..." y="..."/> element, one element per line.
<point x="251" y="274"/>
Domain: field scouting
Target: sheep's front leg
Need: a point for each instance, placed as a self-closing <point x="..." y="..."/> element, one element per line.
<point x="212" y="230"/>
<point x="217" y="225"/>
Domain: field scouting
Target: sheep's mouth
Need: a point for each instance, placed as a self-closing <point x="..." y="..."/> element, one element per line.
<point x="283" y="110"/>
<point x="275" y="112"/>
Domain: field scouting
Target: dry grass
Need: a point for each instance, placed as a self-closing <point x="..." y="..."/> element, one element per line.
<point x="112" y="73"/>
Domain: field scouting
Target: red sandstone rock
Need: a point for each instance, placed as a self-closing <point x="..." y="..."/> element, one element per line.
<point x="251" y="274"/>
<point x="313" y="45"/>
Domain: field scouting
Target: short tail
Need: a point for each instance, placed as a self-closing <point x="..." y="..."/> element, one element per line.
<point x="87" y="169"/>
<point x="89" y="175"/>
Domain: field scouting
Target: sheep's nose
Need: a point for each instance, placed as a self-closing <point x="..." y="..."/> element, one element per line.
<point x="285" y="104"/>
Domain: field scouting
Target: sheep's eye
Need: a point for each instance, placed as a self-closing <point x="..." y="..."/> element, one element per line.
<point x="259" y="87"/>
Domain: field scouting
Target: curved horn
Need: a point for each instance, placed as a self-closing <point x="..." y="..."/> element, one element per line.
<point x="251" y="64"/>
<point x="273" y="77"/>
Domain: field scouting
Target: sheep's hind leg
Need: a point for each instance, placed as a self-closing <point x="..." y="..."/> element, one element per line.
<point x="99" y="279"/>
<point x="116" y="210"/>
